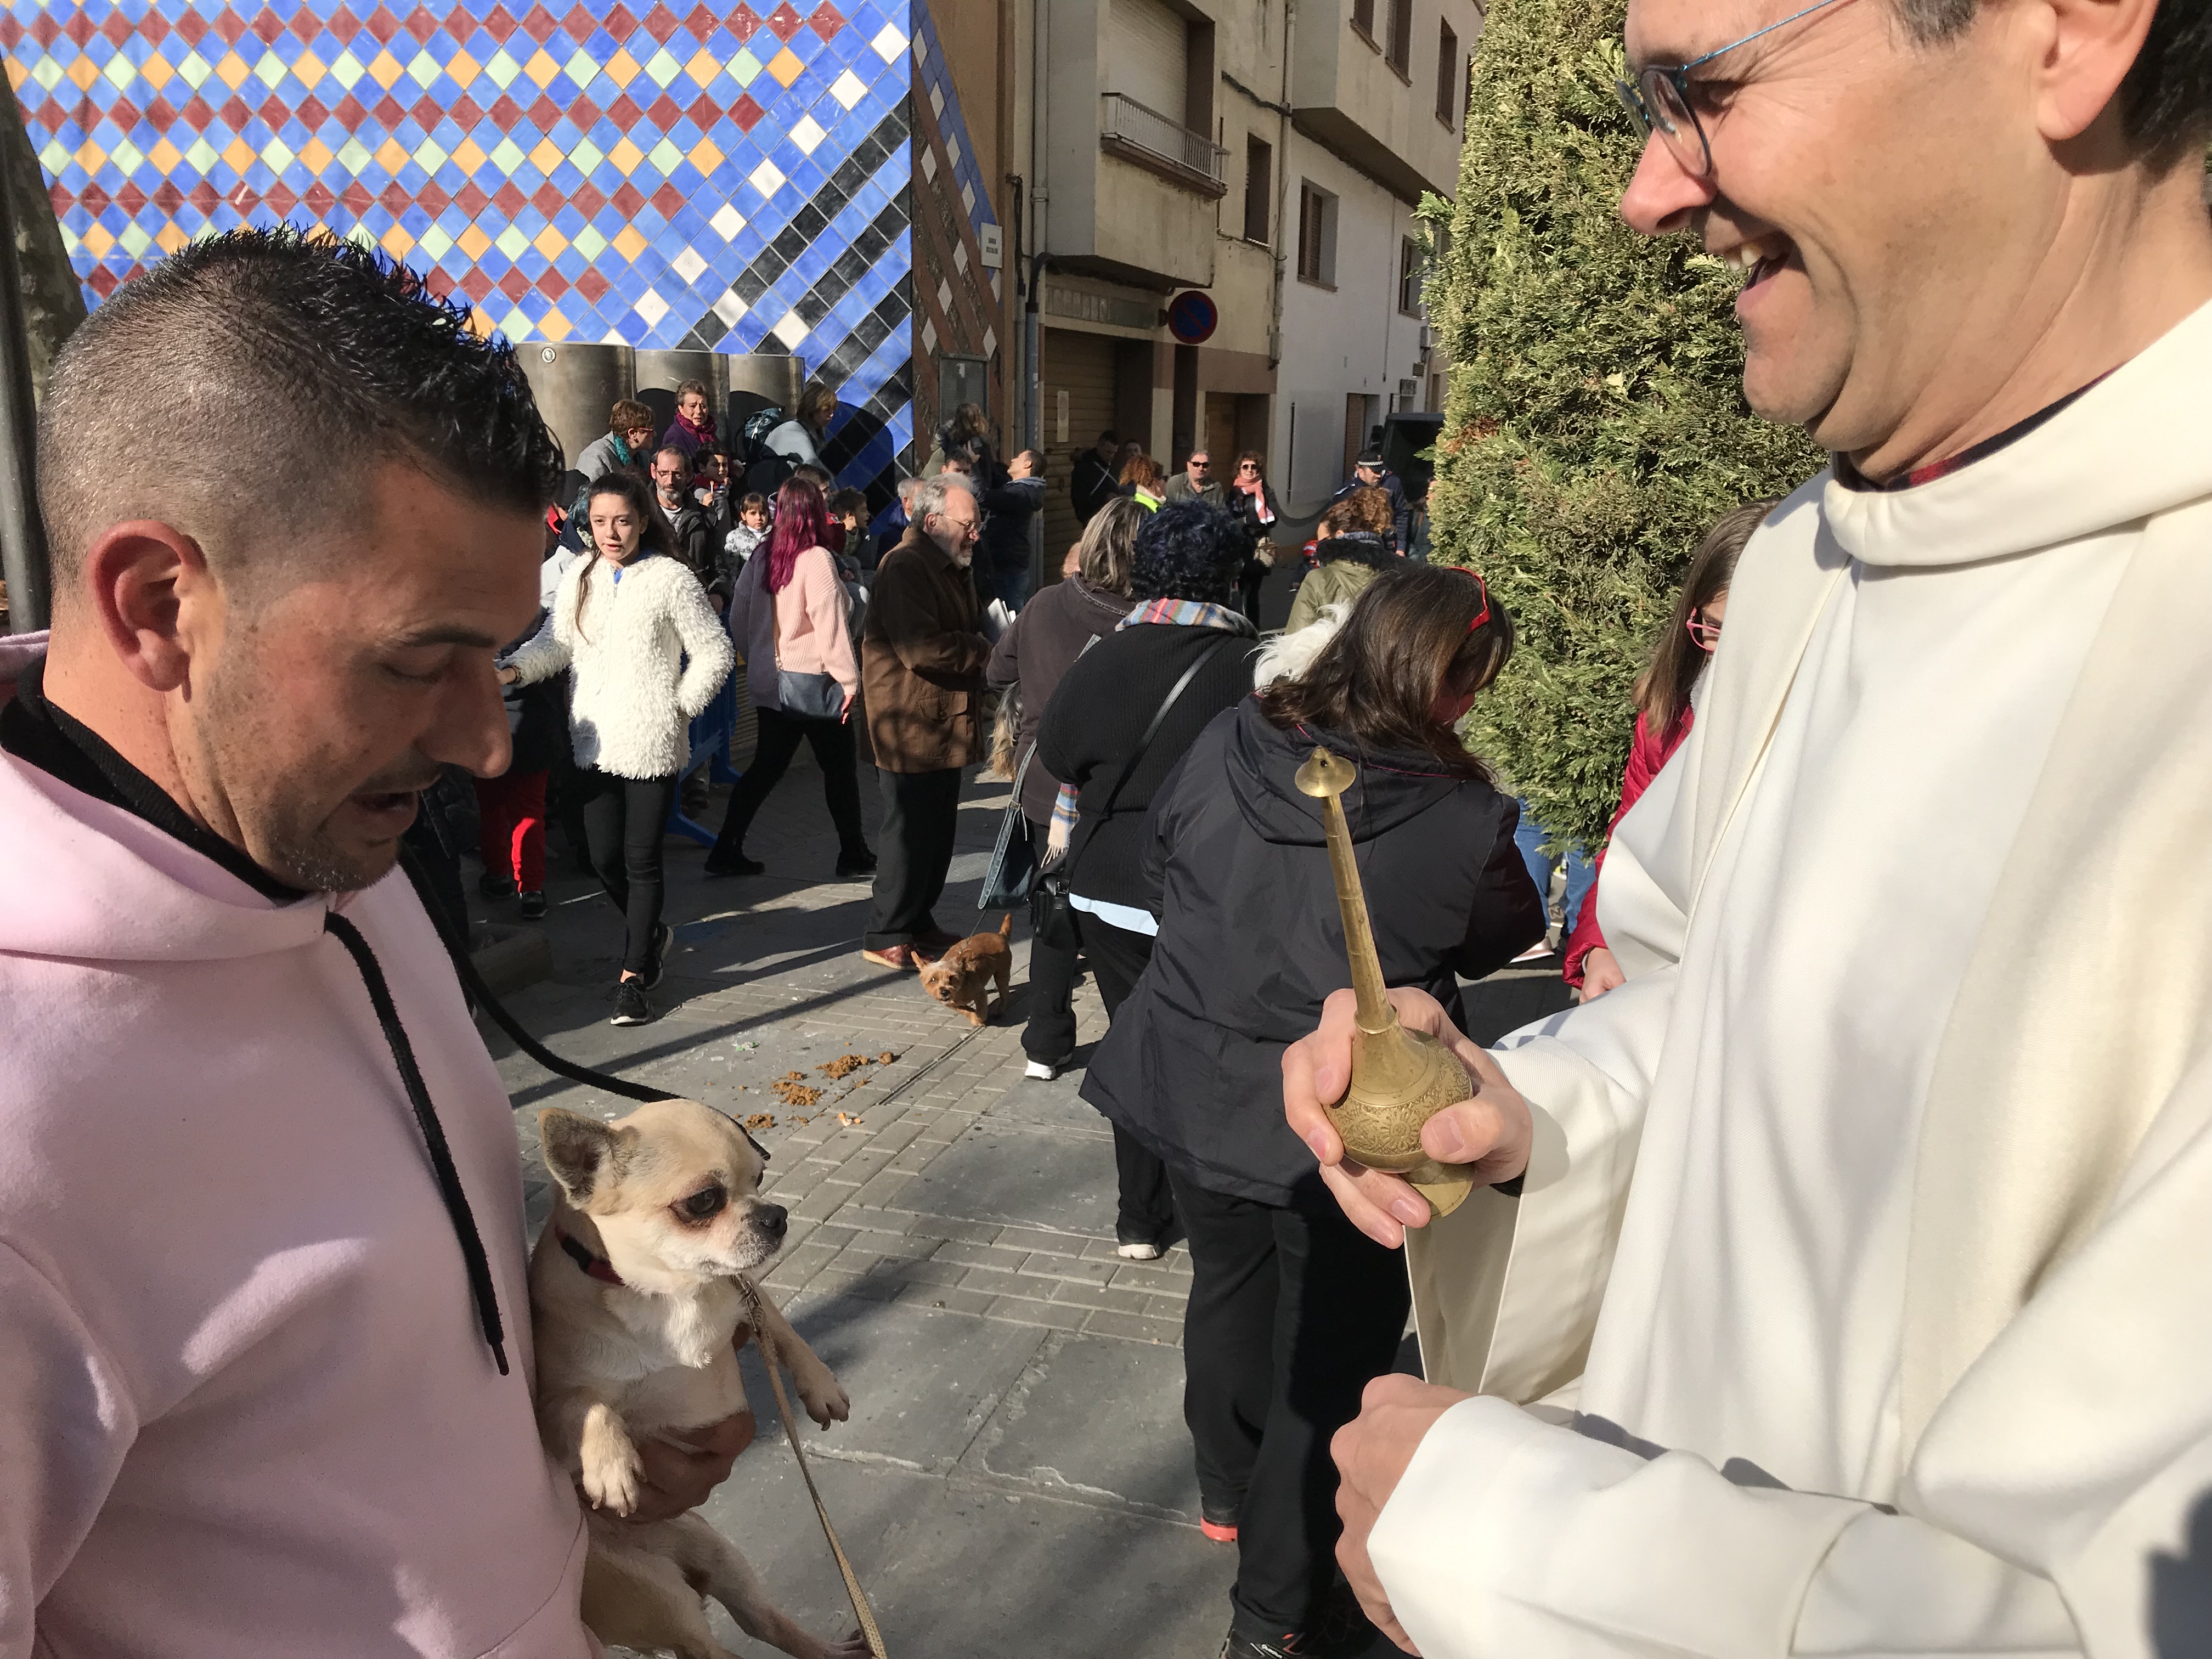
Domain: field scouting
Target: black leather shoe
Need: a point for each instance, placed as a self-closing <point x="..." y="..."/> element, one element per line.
<point x="855" y="864"/>
<point x="732" y="864"/>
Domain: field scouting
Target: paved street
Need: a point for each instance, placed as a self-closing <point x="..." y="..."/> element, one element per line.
<point x="1015" y="1479"/>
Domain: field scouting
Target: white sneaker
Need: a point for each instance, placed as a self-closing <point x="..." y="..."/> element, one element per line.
<point x="1141" y="1250"/>
<point x="1043" y="1070"/>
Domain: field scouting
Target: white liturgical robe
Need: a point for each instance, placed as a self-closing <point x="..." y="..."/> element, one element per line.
<point x="1859" y="1297"/>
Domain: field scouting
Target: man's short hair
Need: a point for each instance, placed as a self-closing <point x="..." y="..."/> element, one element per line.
<point x="627" y="415"/>
<point x="818" y="477"/>
<point x="1108" y="436"/>
<point x="907" y="487"/>
<point x="2165" y="102"/>
<point x="266" y="354"/>
<point x="1035" y="459"/>
<point x="933" y="493"/>
<point x="682" y="460"/>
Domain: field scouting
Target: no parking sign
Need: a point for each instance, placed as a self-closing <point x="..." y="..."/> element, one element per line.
<point x="1192" y="317"/>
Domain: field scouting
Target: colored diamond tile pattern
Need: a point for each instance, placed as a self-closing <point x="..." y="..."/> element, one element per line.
<point x="722" y="179"/>
<point x="933" y="81"/>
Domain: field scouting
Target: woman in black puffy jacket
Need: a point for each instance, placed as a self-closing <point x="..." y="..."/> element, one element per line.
<point x="1292" y="1309"/>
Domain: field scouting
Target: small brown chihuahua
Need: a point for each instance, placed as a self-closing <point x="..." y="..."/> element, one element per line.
<point x="962" y="978"/>
<point x="635" y="1303"/>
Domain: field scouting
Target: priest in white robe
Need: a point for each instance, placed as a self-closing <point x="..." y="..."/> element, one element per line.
<point x="1850" y="1293"/>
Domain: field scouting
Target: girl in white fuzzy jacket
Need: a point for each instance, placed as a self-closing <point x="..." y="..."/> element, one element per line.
<point x="646" y="655"/>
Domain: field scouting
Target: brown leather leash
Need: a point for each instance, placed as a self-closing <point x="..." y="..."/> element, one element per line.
<point x="769" y="1358"/>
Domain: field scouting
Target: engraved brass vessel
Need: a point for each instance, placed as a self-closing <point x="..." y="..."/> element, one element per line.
<point x="1400" y="1078"/>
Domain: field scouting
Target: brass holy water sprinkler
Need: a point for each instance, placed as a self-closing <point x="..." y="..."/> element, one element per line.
<point x="1400" y="1078"/>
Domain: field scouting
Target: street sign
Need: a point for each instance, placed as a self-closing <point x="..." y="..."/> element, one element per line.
<point x="1192" y="317"/>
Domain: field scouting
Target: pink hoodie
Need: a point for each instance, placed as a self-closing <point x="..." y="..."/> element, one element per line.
<point x="245" y="1407"/>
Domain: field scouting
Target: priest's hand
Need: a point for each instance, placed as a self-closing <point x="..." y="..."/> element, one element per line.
<point x="1491" y="1131"/>
<point x="1372" y="1453"/>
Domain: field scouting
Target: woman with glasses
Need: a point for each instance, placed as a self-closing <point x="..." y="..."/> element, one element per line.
<point x="1292" y="1309"/>
<point x="1663" y="714"/>
<point x="1252" y="498"/>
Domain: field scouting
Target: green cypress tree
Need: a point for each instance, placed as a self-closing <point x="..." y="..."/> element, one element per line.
<point x="1596" y="422"/>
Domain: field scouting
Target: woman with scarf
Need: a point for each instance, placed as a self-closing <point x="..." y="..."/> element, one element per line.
<point x="1352" y="550"/>
<point x="1180" y="656"/>
<point x="1253" y="498"/>
<point x="692" y="431"/>
<point x="1293" y="1311"/>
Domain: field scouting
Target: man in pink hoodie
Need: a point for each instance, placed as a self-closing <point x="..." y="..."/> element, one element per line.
<point x="264" y="1379"/>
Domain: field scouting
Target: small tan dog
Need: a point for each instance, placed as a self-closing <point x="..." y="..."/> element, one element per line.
<point x="962" y="978"/>
<point x="635" y="1303"/>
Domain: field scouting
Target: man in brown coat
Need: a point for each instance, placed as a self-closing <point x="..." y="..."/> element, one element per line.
<point x="922" y="655"/>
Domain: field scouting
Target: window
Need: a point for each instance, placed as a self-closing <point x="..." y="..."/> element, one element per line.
<point x="1409" y="276"/>
<point x="1402" y="34"/>
<point x="1362" y="18"/>
<point x="1447" y="75"/>
<point x="1258" y="187"/>
<point x="1316" y="235"/>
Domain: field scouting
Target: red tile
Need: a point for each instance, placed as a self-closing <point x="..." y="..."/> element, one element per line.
<point x="508" y="197"/>
<point x="784" y="23"/>
<point x="383" y="25"/>
<point x="427" y="112"/>
<point x="130" y="198"/>
<point x="553" y="285"/>
<point x="267" y="26"/>
<point x="312" y="112"/>
<point x="592" y="286"/>
<point x="579" y="24"/>
<point x="395" y="199"/>
<point x="231" y="26"/>
<point x="506" y="113"/>
<point x="704" y="111"/>
<point x="825" y="21"/>
<point x="319" y="198"/>
<point x="460" y="23"/>
<point x="205" y="196"/>
<point x="281" y="199"/>
<point x="584" y="112"/>
<point x="124" y="113"/>
<point x="545" y="114"/>
<point x="660" y="23"/>
<point x="548" y="199"/>
<point x="466" y="113"/>
<point x="79" y="28"/>
<point x="274" y="112"/>
<point x="743" y="22"/>
<point x="419" y="24"/>
<point x="45" y="31"/>
<point x="168" y="197"/>
<point x="155" y="28"/>
<point x="350" y="115"/>
<point x="433" y="197"/>
<point x="619" y="24"/>
<point x="627" y="199"/>
<point x="305" y="24"/>
<point x="243" y="196"/>
<point x="588" y="199"/>
<point x="701" y="22"/>
<point x="514" y="284"/>
<point x="624" y="114"/>
<point x="471" y="199"/>
<point x="356" y="197"/>
<point x="438" y="282"/>
<point x="668" y="200"/>
<point x="11" y="31"/>
<point x="195" y="114"/>
<point x="664" y="115"/>
<point x="745" y="113"/>
<point x="62" y="200"/>
<point x="161" y="114"/>
<point x="116" y="28"/>
<point x="93" y="197"/>
<point x="475" y="284"/>
<point x="388" y="112"/>
<point x="539" y="25"/>
<point x="499" y="23"/>
<point x="235" y="113"/>
<point x="344" y="24"/>
<point x="103" y="281"/>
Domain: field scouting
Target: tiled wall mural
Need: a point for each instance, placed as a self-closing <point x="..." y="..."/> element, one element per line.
<point x="958" y="303"/>
<point x="720" y="179"/>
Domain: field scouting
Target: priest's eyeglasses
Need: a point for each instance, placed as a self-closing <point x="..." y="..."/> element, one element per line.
<point x="1658" y="100"/>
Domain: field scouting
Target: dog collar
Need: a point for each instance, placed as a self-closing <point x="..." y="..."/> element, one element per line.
<point x="597" y="1265"/>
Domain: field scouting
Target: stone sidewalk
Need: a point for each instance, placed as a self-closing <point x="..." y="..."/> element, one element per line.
<point x="1016" y="1478"/>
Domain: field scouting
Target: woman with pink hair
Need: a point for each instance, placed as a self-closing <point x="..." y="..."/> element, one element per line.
<point x="791" y="618"/>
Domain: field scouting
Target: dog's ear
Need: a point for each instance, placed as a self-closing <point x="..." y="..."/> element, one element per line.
<point x="581" y="1153"/>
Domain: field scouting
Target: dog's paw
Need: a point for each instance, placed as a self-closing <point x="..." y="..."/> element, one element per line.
<point x="823" y="1396"/>
<point x="612" y="1469"/>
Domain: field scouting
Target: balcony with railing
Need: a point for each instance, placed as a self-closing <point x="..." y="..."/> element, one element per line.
<point x="1130" y="130"/>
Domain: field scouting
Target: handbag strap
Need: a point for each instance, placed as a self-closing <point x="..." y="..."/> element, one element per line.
<point x="1159" y="719"/>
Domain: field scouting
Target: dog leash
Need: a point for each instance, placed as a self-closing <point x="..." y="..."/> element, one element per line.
<point x="770" y="1357"/>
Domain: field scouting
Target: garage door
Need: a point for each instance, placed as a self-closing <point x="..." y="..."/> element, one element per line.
<point x="1077" y="375"/>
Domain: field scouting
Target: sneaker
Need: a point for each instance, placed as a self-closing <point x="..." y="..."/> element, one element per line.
<point x="630" y="1007"/>
<point x="657" y="963"/>
<point x="533" y="907"/>
<point x="852" y="864"/>
<point x="1044" y="1070"/>
<point x="1219" y="1524"/>
<point x="1137" y="1249"/>
<point x="494" y="885"/>
<point x="732" y="864"/>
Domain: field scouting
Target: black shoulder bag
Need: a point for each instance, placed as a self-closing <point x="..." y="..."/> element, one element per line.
<point x="1051" y="918"/>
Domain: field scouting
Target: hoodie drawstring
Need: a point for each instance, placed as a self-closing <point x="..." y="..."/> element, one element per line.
<point x="434" y="1133"/>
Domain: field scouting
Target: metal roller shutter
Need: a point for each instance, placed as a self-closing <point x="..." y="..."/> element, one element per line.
<point x="1079" y="368"/>
<point x="1148" y="56"/>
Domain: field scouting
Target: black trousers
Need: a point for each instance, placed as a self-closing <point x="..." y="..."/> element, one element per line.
<point x="1291" y="1316"/>
<point x="780" y="735"/>
<point x="1050" y="1033"/>
<point x="1147" y="1210"/>
<point x="624" y="819"/>
<point x="921" y="810"/>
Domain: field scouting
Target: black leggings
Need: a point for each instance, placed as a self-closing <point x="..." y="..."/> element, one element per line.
<point x="624" y="819"/>
<point x="779" y="737"/>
